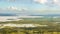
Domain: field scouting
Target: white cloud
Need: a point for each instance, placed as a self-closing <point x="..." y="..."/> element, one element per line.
<point x="48" y="2"/>
<point x="16" y="8"/>
<point x="41" y="1"/>
<point x="11" y="0"/>
<point x="57" y="2"/>
<point x="13" y="8"/>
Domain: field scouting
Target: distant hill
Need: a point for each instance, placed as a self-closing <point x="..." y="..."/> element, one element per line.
<point x="47" y="15"/>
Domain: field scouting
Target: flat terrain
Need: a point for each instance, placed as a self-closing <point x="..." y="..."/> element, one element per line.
<point x="52" y="28"/>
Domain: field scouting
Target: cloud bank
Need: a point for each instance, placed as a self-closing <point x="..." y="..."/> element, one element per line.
<point x="48" y="2"/>
<point x="14" y="10"/>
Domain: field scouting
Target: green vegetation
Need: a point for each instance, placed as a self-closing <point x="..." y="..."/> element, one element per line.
<point x="52" y="28"/>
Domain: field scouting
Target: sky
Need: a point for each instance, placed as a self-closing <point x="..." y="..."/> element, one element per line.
<point x="30" y="7"/>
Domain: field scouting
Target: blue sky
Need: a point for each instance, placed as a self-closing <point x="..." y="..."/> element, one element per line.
<point x="28" y="7"/>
